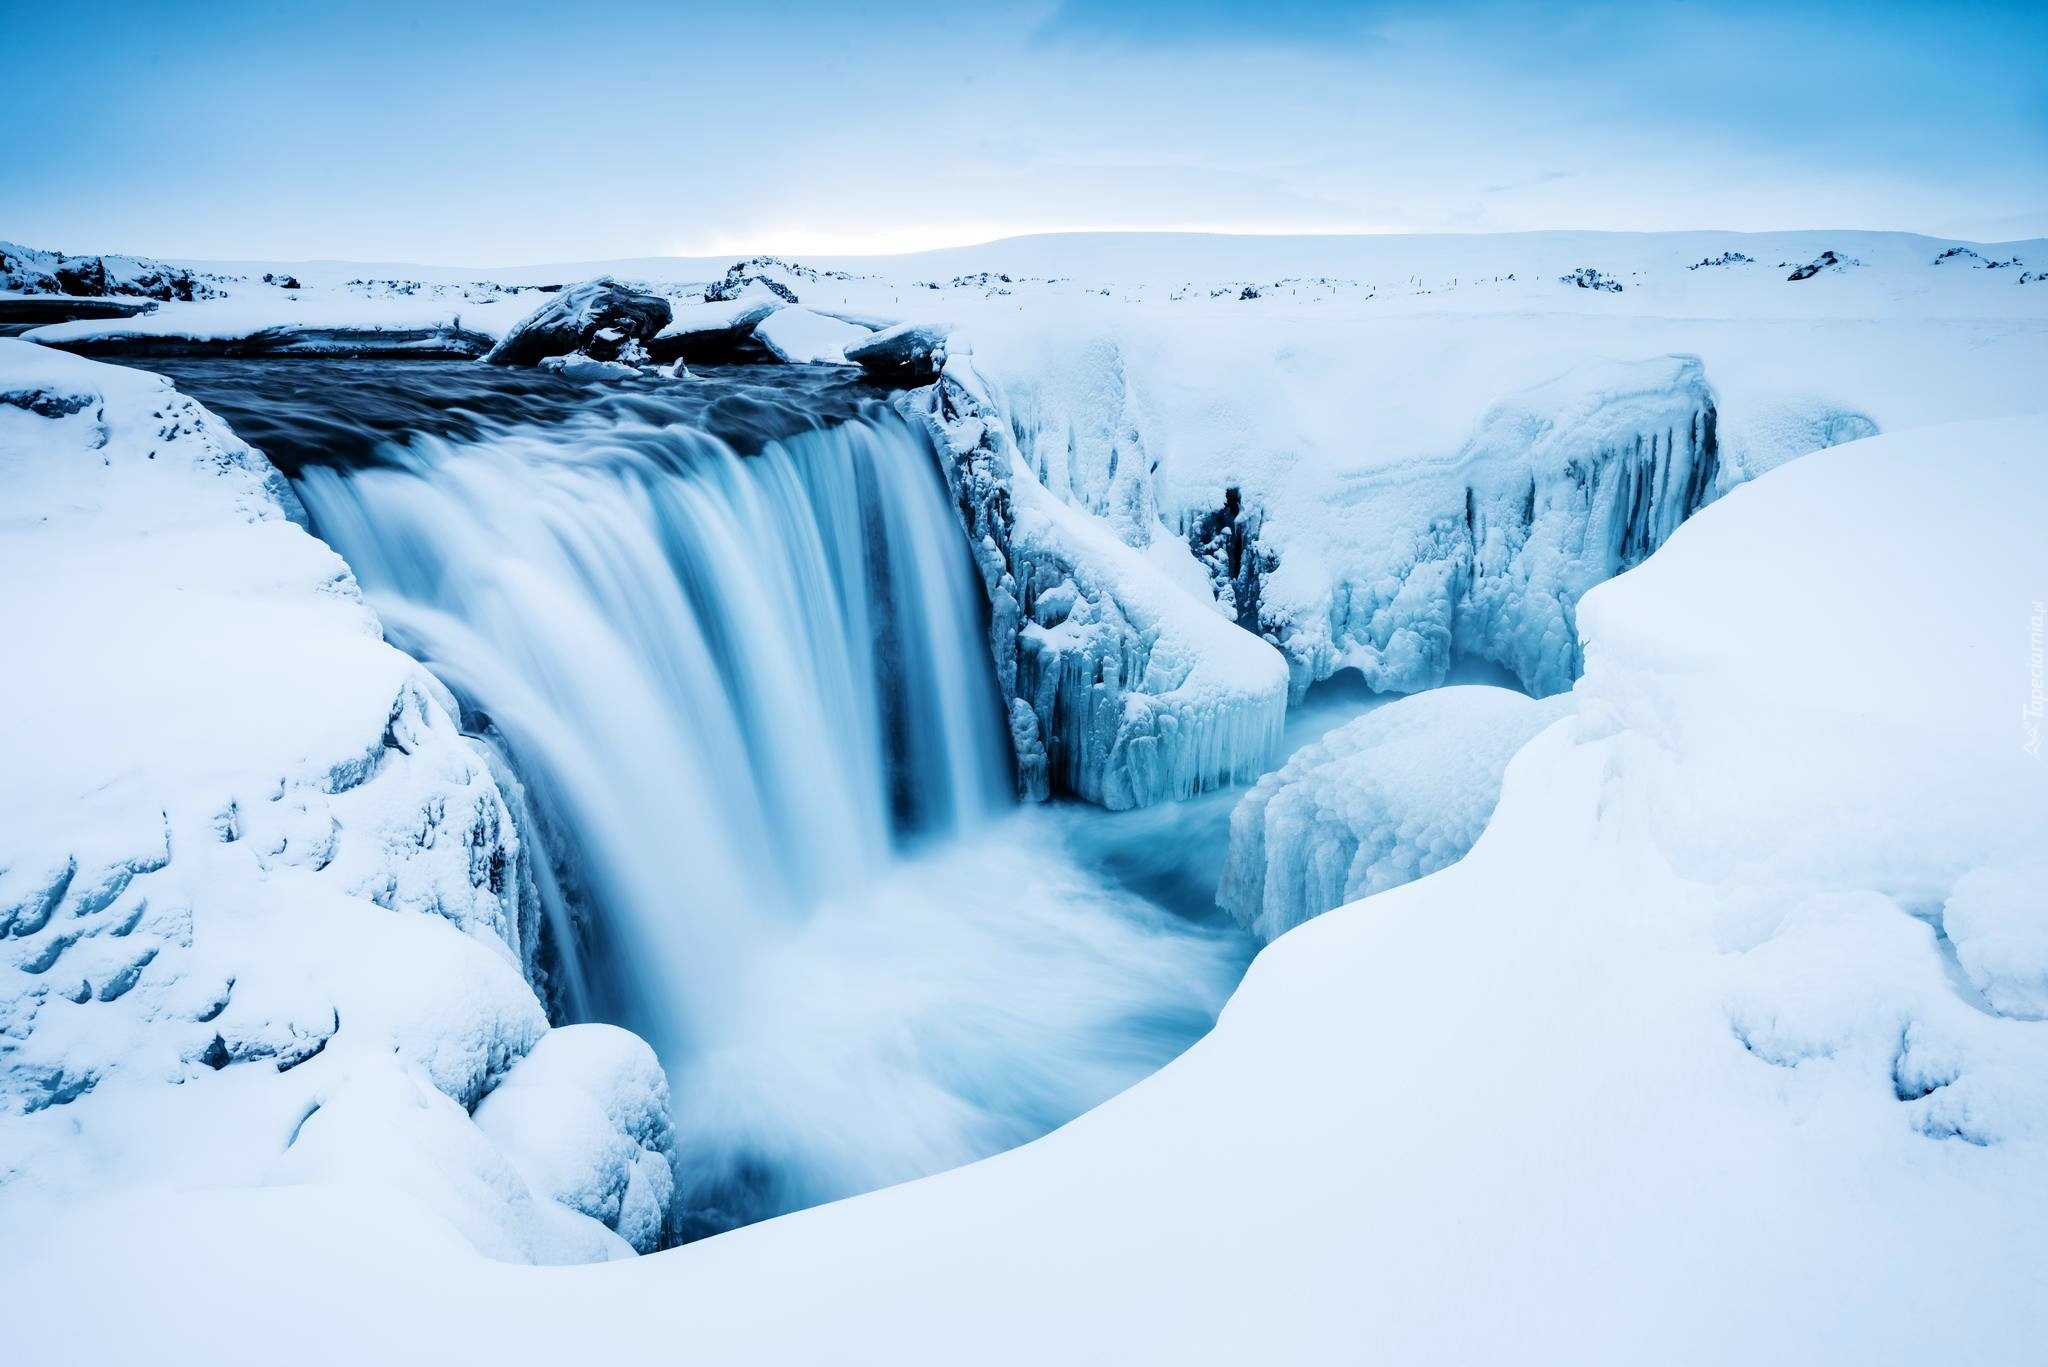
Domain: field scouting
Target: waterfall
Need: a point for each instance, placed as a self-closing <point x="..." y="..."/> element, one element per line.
<point x="746" y="701"/>
<point x="736" y="683"/>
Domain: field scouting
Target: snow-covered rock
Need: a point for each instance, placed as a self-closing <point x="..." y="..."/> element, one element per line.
<point x="1398" y="793"/>
<point x="800" y="337"/>
<point x="264" y="914"/>
<point x="24" y="270"/>
<point x="601" y="319"/>
<point x="585" y="1115"/>
<point x="713" y="334"/>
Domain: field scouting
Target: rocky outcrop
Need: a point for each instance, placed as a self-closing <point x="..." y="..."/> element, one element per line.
<point x="28" y="271"/>
<point x="905" y="356"/>
<point x="601" y="319"/>
<point x="1826" y="261"/>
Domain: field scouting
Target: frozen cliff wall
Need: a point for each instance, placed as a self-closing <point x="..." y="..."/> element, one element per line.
<point x="1370" y="541"/>
<point x="1125" y="685"/>
<point x="1126" y="620"/>
<point x="264" y="914"/>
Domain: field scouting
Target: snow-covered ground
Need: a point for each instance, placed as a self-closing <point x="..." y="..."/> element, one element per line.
<point x="1722" y="1044"/>
<point x="1724" y="1040"/>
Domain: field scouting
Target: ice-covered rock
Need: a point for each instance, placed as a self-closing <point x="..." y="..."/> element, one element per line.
<point x="1398" y="793"/>
<point x="264" y="913"/>
<point x="602" y="319"/>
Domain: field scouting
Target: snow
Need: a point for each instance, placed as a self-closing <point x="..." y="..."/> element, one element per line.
<point x="1671" y="1067"/>
<point x="1724" y="1040"/>
<point x="1400" y="792"/>
<point x="266" y="915"/>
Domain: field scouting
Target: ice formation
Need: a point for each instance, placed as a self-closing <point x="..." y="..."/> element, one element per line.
<point x="1478" y="552"/>
<point x="1398" y="793"/>
<point x="1127" y="687"/>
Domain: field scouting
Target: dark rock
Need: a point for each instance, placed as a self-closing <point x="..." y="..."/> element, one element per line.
<point x="283" y="282"/>
<point x="602" y="319"/>
<point x="44" y="403"/>
<point x="905" y="356"/>
<point x="1586" y="278"/>
<point x="1824" y="262"/>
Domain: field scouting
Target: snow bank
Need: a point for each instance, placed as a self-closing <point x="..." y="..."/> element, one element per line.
<point x="1400" y="792"/>
<point x="263" y="912"/>
<point x="1676" y="1065"/>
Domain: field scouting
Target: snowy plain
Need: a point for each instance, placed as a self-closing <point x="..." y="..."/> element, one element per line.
<point x="1725" y="1039"/>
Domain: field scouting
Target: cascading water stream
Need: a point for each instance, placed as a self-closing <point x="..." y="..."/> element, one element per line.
<point x="747" y="704"/>
<point x="744" y="677"/>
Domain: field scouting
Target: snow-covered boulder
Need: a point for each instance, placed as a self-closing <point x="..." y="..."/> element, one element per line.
<point x="585" y="1116"/>
<point x="757" y="277"/>
<point x="713" y="334"/>
<point x="264" y="913"/>
<point x="800" y="337"/>
<point x="1393" y="795"/>
<point x="601" y="319"/>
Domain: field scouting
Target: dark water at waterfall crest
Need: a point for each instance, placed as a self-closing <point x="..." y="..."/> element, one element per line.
<point x="726" y="634"/>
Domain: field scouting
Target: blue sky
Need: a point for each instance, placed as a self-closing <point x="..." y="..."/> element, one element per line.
<point x="469" y="133"/>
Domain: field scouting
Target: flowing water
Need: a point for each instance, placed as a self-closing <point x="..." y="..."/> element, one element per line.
<point x="725" y="633"/>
